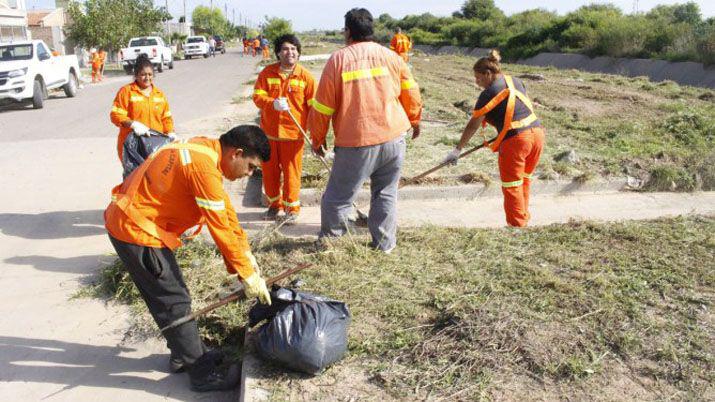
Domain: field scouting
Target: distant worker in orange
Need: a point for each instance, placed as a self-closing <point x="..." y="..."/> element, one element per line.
<point x="102" y="60"/>
<point x="246" y="45"/>
<point x="141" y="106"/>
<point x="282" y="88"/>
<point x="96" y="61"/>
<point x="256" y="46"/>
<point x="178" y="187"/>
<point x="369" y="94"/>
<point x="401" y="44"/>
<point x="520" y="141"/>
<point x="265" y="45"/>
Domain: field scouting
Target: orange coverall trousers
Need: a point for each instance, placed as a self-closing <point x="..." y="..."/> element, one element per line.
<point x="518" y="157"/>
<point x="266" y="54"/>
<point x="286" y="159"/>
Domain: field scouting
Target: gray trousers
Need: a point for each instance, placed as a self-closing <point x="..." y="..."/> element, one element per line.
<point x="352" y="166"/>
<point x="158" y="277"/>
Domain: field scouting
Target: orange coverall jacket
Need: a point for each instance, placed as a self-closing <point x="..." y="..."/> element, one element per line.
<point x="369" y="94"/>
<point x="152" y="111"/>
<point x="400" y="43"/>
<point x="298" y="89"/>
<point x="177" y="188"/>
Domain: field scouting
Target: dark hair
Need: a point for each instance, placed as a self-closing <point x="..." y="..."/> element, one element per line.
<point x="142" y="62"/>
<point x="251" y="139"/>
<point x="489" y="64"/>
<point x="359" y="22"/>
<point x="289" y="38"/>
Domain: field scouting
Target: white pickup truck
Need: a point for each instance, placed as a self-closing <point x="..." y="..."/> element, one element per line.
<point x="152" y="46"/>
<point x="28" y="70"/>
<point x="196" y="46"/>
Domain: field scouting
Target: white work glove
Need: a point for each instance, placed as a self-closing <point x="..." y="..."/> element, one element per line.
<point x="172" y="136"/>
<point x="255" y="286"/>
<point x="452" y="157"/>
<point x="281" y="104"/>
<point x="139" y="128"/>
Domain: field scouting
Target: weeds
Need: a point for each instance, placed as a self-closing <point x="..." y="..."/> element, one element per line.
<point x="474" y="312"/>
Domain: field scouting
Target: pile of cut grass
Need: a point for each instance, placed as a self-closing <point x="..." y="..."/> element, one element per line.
<point x="468" y="313"/>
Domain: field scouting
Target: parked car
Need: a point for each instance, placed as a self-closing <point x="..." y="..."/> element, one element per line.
<point x="196" y="46"/>
<point x="28" y="71"/>
<point x="220" y="45"/>
<point x="152" y="46"/>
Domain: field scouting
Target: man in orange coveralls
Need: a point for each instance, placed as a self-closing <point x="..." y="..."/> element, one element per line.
<point x="369" y="94"/>
<point x="176" y="188"/>
<point x="282" y="88"/>
<point x="401" y="44"/>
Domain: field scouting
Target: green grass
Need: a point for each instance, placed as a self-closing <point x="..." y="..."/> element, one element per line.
<point x="570" y="309"/>
<point x="614" y="123"/>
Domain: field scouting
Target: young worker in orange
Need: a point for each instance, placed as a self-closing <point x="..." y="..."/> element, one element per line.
<point x="401" y="44"/>
<point x="368" y="93"/>
<point x="246" y="45"/>
<point x="141" y="106"/>
<point x="178" y="187"/>
<point x="265" y="45"/>
<point x="282" y="88"/>
<point x="520" y="141"/>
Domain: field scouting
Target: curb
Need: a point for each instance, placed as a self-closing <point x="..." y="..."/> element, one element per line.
<point x="250" y="367"/>
<point x="312" y="196"/>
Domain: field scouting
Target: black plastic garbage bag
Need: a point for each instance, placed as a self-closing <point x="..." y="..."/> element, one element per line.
<point x="304" y="332"/>
<point x="137" y="148"/>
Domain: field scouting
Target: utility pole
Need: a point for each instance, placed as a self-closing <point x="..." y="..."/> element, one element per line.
<point x="183" y="27"/>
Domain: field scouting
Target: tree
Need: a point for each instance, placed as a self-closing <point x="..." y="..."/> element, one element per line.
<point x="481" y="10"/>
<point x="111" y="23"/>
<point x="211" y="21"/>
<point x="275" y="27"/>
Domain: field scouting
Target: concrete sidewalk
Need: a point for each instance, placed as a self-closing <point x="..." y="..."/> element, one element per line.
<point x="488" y="211"/>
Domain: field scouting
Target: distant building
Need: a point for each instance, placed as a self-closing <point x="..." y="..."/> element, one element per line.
<point x="13" y="20"/>
<point x="48" y="25"/>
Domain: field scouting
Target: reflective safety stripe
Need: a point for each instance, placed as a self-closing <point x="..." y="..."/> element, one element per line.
<point x="273" y="199"/>
<point x="297" y="83"/>
<point x="528" y="176"/>
<point x="185" y="156"/>
<point x="119" y="110"/>
<point x="365" y="73"/>
<point x="524" y="122"/>
<point x="311" y="101"/>
<point x="136" y="98"/>
<point x="291" y="204"/>
<point x="326" y="110"/>
<point x="274" y="81"/>
<point x="114" y="198"/>
<point x="408" y="84"/>
<point x="159" y="100"/>
<point x="260" y="92"/>
<point x="212" y="205"/>
<point x="507" y="184"/>
<point x="167" y="114"/>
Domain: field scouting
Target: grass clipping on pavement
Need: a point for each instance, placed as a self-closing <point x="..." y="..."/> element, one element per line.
<point x="473" y="313"/>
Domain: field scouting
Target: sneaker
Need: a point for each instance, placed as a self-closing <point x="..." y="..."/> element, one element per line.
<point x="218" y="380"/>
<point x="271" y="214"/>
<point x="290" y="218"/>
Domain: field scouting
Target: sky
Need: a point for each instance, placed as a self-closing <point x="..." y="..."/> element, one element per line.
<point x="328" y="14"/>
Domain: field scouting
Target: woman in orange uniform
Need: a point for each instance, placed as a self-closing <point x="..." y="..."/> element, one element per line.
<point x="520" y="141"/>
<point x="141" y="106"/>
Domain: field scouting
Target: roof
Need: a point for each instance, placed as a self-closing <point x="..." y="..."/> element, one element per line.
<point x="34" y="18"/>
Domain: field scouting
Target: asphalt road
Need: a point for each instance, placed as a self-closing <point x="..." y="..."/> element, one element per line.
<point x="195" y="88"/>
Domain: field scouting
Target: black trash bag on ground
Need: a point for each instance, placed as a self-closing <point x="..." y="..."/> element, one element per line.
<point x="304" y="332"/>
<point x="137" y="148"/>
